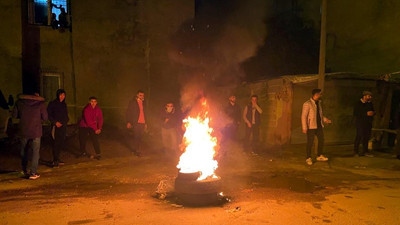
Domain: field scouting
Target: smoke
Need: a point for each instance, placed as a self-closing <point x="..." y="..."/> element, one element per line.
<point x="210" y="48"/>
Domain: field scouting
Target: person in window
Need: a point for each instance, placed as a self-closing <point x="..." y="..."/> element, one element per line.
<point x="62" y="18"/>
<point x="54" y="22"/>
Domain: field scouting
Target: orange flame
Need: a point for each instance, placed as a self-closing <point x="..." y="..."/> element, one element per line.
<point x="200" y="146"/>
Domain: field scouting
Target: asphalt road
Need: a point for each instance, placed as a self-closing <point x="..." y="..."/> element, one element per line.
<point x="275" y="187"/>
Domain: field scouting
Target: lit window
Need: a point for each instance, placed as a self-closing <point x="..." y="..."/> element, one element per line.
<point x="46" y="12"/>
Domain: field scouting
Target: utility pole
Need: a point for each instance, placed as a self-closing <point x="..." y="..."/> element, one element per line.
<point x="322" y="46"/>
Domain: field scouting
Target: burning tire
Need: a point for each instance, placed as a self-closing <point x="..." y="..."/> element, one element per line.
<point x="193" y="192"/>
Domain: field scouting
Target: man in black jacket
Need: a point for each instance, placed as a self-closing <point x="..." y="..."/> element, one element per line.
<point x="233" y="112"/>
<point x="58" y="116"/>
<point x="135" y="117"/>
<point x="363" y="113"/>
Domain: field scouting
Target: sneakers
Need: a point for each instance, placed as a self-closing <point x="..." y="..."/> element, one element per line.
<point x="369" y="155"/>
<point x="322" y="158"/>
<point x="34" y="176"/>
<point x="98" y="157"/>
<point x="309" y="161"/>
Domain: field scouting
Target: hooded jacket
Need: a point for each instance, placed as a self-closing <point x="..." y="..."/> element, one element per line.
<point x="58" y="110"/>
<point x="31" y="111"/>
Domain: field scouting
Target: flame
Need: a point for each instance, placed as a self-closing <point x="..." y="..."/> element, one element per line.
<point x="200" y="146"/>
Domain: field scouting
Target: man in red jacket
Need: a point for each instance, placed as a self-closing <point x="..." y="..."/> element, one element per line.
<point x="90" y="125"/>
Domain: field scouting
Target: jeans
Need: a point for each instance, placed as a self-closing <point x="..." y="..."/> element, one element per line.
<point x="254" y="130"/>
<point x="138" y="130"/>
<point x="59" y="140"/>
<point x="84" y="132"/>
<point x="363" y="135"/>
<point x="35" y="154"/>
<point x="311" y="133"/>
<point x="169" y="139"/>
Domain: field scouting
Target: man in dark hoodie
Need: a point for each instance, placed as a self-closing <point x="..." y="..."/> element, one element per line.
<point x="58" y="116"/>
<point x="169" y="124"/>
<point x="31" y="111"/>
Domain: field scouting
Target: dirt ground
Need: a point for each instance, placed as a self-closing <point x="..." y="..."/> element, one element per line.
<point x="275" y="187"/>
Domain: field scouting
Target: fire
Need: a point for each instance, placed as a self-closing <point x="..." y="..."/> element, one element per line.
<point x="200" y="146"/>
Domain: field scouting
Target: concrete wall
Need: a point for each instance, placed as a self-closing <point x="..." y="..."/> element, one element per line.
<point x="117" y="48"/>
<point x="10" y="47"/>
<point x="362" y="34"/>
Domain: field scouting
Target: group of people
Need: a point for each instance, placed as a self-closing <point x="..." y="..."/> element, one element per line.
<point x="313" y="120"/>
<point x="32" y="111"/>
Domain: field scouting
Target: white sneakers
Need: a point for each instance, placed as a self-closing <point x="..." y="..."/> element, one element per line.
<point x="309" y="161"/>
<point x="320" y="158"/>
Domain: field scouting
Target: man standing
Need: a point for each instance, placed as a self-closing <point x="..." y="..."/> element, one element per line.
<point x="90" y="125"/>
<point x="363" y="113"/>
<point x="252" y="117"/>
<point x="312" y="121"/>
<point x="58" y="116"/>
<point x="31" y="111"/>
<point x="169" y="123"/>
<point x="135" y="116"/>
<point x="232" y="110"/>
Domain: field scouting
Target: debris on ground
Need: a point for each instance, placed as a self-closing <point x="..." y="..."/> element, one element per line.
<point x="236" y="209"/>
<point x="164" y="189"/>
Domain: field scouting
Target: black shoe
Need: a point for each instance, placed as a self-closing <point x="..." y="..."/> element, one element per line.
<point x="83" y="154"/>
<point x="98" y="157"/>
<point x="61" y="163"/>
<point x="25" y="174"/>
<point x="56" y="164"/>
<point x="398" y="157"/>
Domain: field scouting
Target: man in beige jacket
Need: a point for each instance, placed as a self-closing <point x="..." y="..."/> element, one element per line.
<point x="312" y="121"/>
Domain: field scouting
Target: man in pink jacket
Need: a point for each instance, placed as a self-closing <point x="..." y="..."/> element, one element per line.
<point x="90" y="125"/>
<point x="312" y="121"/>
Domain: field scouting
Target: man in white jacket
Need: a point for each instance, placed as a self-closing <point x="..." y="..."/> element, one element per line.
<point x="312" y="121"/>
